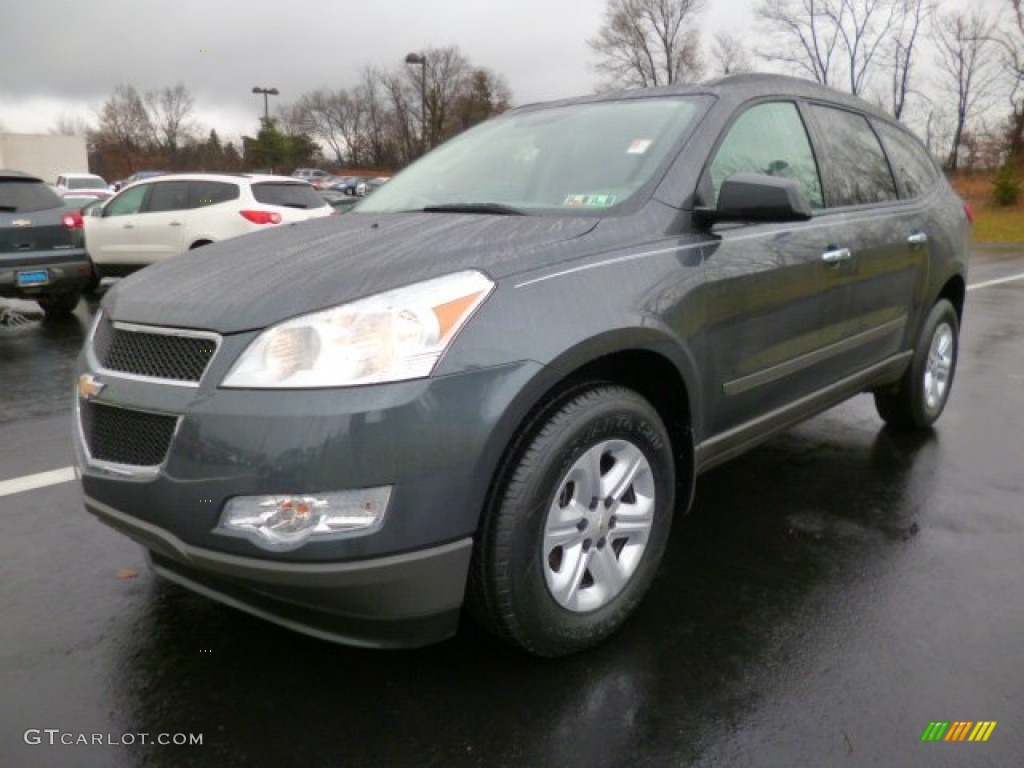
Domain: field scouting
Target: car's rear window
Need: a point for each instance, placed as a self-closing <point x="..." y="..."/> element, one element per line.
<point x="24" y="195"/>
<point x="95" y="182"/>
<point x="287" y="195"/>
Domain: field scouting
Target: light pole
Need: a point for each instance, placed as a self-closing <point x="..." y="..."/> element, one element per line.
<point x="419" y="58"/>
<point x="266" y="103"/>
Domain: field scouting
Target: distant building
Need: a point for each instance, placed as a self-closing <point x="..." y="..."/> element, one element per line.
<point x="43" y="155"/>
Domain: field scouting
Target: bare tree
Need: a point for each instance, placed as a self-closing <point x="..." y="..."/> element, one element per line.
<point x="171" y="112"/>
<point x="729" y="56"/>
<point x="123" y="120"/>
<point x="967" y="68"/>
<point x="649" y="42"/>
<point x="1011" y="42"/>
<point x="905" y="38"/>
<point x="375" y="144"/>
<point x="832" y="41"/>
<point x="335" y="118"/>
<point x="71" y="125"/>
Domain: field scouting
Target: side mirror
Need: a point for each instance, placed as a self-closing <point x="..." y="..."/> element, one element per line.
<point x="757" y="197"/>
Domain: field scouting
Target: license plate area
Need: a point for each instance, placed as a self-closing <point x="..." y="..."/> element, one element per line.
<point x="30" y="277"/>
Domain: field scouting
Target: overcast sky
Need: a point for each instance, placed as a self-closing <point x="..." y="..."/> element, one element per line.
<point x="61" y="57"/>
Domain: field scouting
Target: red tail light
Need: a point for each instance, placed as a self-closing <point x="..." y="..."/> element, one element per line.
<point x="262" y="217"/>
<point x="969" y="210"/>
<point x="72" y="220"/>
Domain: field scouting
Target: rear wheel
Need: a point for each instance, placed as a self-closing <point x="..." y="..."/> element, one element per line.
<point x="922" y="393"/>
<point x="59" y="304"/>
<point x="578" y="524"/>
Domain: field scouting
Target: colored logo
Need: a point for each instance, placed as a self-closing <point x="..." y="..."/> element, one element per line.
<point x="89" y="386"/>
<point x="958" y="730"/>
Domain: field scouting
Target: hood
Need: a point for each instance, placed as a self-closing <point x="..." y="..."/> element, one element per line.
<point x="256" y="280"/>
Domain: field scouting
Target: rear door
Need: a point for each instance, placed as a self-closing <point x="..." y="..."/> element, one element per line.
<point x="161" y="223"/>
<point x="881" y="238"/>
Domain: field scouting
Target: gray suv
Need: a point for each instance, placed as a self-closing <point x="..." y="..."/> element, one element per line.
<point x="495" y="383"/>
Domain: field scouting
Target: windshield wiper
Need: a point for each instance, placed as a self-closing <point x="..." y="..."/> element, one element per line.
<point x="498" y="208"/>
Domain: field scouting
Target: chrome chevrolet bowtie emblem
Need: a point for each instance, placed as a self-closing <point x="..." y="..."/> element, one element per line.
<point x="89" y="386"/>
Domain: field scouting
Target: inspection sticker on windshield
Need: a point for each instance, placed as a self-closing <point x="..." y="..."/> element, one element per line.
<point x="590" y="201"/>
<point x="639" y="146"/>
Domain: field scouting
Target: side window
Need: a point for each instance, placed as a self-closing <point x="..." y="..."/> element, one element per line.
<point x="168" y="196"/>
<point x="128" y="202"/>
<point x="770" y="139"/>
<point x="910" y="160"/>
<point x="204" y="193"/>
<point x="860" y="172"/>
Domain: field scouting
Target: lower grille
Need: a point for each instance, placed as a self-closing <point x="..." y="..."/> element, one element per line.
<point x="122" y="436"/>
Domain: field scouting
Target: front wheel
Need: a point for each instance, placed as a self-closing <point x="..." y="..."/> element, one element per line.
<point x="578" y="524"/>
<point x="922" y="393"/>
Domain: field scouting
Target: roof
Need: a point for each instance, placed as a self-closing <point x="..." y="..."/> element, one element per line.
<point x="734" y="88"/>
<point x="11" y="174"/>
<point x="197" y="176"/>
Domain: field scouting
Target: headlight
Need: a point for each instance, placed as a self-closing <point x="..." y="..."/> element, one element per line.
<point x="392" y="336"/>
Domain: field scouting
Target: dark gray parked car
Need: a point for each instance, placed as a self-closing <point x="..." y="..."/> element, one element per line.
<point x="42" y="253"/>
<point x="498" y="378"/>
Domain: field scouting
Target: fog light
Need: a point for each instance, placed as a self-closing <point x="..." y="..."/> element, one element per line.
<point x="287" y="522"/>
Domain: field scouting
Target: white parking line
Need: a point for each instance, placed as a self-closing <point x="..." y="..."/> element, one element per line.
<point x="1000" y="281"/>
<point x="67" y="474"/>
<point x="40" y="480"/>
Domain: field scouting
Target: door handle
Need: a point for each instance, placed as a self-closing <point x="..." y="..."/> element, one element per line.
<point x="175" y="223"/>
<point x="918" y="238"/>
<point x="129" y="226"/>
<point x="836" y="255"/>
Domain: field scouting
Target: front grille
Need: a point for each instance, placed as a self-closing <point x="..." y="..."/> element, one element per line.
<point x="123" y="436"/>
<point x="176" y="357"/>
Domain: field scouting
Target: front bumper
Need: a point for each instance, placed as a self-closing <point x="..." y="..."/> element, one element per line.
<point x="389" y="602"/>
<point x="436" y="442"/>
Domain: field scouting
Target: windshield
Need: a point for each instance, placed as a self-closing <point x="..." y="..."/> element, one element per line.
<point x="87" y="182"/>
<point x="578" y="157"/>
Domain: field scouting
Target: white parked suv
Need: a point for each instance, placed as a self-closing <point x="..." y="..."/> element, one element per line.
<point x="166" y="215"/>
<point x="81" y="182"/>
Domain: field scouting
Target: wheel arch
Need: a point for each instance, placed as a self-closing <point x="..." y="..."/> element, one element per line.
<point x="643" y="369"/>
<point x="955" y="291"/>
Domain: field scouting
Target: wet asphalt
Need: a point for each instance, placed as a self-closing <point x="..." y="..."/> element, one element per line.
<point x="832" y="593"/>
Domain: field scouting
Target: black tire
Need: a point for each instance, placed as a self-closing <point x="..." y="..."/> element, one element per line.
<point x="92" y="287"/>
<point x="56" y="305"/>
<point x="595" y="432"/>
<point x="921" y="395"/>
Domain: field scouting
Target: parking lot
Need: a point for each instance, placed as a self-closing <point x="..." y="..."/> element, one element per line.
<point x="832" y="593"/>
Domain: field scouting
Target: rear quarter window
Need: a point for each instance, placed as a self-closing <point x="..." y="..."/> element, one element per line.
<point x="913" y="166"/>
<point x="23" y="196"/>
<point x="287" y="195"/>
